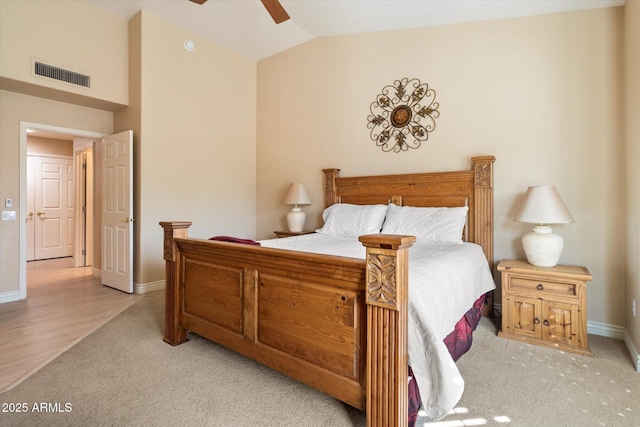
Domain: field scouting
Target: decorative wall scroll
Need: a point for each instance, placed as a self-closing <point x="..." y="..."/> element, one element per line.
<point x="403" y="115"/>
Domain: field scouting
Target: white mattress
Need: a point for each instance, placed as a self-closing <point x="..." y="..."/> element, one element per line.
<point x="445" y="279"/>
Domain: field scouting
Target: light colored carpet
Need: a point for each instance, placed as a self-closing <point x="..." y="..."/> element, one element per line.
<point x="526" y="385"/>
<point x="125" y="375"/>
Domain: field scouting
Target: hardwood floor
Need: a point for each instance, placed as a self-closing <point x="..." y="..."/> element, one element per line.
<point x="64" y="304"/>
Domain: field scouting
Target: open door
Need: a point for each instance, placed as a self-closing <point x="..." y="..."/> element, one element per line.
<point x="117" y="211"/>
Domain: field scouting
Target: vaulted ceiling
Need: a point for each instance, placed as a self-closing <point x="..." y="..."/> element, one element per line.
<point x="245" y="26"/>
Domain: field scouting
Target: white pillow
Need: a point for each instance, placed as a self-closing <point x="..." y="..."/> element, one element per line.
<point x="346" y="220"/>
<point x="441" y="225"/>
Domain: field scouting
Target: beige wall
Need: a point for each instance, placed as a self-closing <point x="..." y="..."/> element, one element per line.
<point x="194" y="116"/>
<point x="39" y="145"/>
<point x="15" y="108"/>
<point x="73" y="35"/>
<point x="632" y="151"/>
<point x="543" y="94"/>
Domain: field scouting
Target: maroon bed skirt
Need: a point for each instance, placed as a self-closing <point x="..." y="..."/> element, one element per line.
<point x="458" y="342"/>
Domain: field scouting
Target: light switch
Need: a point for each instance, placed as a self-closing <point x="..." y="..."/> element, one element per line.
<point x="8" y="203"/>
<point x="8" y="215"/>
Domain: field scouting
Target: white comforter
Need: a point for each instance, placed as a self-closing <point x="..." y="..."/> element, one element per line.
<point x="445" y="279"/>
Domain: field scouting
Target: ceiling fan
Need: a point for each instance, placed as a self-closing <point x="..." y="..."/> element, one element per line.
<point x="274" y="8"/>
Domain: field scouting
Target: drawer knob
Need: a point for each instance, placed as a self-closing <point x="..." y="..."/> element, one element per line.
<point x="546" y="322"/>
<point x="539" y="287"/>
<point x="536" y="321"/>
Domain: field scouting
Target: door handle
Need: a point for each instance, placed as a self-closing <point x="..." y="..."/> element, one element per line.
<point x="127" y="220"/>
<point x="40" y="213"/>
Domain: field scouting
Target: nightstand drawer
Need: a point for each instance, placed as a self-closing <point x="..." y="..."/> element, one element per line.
<point x="534" y="287"/>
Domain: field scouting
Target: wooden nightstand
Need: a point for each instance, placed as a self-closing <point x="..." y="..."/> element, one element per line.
<point x="280" y="234"/>
<point x="545" y="305"/>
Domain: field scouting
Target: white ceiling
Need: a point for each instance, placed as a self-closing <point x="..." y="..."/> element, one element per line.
<point x="245" y="26"/>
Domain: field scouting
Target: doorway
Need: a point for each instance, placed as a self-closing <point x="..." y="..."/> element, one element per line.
<point x="80" y="231"/>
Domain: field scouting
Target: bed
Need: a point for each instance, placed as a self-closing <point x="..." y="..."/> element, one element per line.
<point x="336" y="323"/>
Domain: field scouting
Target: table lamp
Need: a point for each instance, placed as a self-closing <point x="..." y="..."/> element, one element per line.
<point x="543" y="205"/>
<point x="296" y="195"/>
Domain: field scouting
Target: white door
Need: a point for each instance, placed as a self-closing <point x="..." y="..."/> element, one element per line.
<point x="50" y="207"/>
<point x="117" y="211"/>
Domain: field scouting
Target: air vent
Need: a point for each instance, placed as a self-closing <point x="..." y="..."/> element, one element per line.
<point x="61" y="74"/>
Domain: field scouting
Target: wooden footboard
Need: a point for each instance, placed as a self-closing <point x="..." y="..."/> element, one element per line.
<point x="337" y="324"/>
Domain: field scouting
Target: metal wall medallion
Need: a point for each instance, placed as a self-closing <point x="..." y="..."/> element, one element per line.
<point x="403" y="115"/>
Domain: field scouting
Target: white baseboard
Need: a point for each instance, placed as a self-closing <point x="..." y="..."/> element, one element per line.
<point x="143" y="288"/>
<point x="605" y="330"/>
<point x="138" y="288"/>
<point x="633" y="352"/>
<point x="10" y="296"/>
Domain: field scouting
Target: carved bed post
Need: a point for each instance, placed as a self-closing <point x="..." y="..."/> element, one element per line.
<point x="330" y="196"/>
<point x="483" y="197"/>
<point x="174" y="334"/>
<point x="387" y="294"/>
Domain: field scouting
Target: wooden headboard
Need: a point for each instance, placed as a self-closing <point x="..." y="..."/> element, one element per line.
<point x="472" y="188"/>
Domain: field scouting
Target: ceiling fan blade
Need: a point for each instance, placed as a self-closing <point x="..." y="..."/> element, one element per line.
<point x="198" y="1"/>
<point x="275" y="9"/>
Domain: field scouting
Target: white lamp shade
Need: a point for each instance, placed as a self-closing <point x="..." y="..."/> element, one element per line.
<point x="543" y="205"/>
<point x="296" y="195"/>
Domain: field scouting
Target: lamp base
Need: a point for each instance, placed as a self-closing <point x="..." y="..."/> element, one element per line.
<point x="295" y="219"/>
<point x="542" y="247"/>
